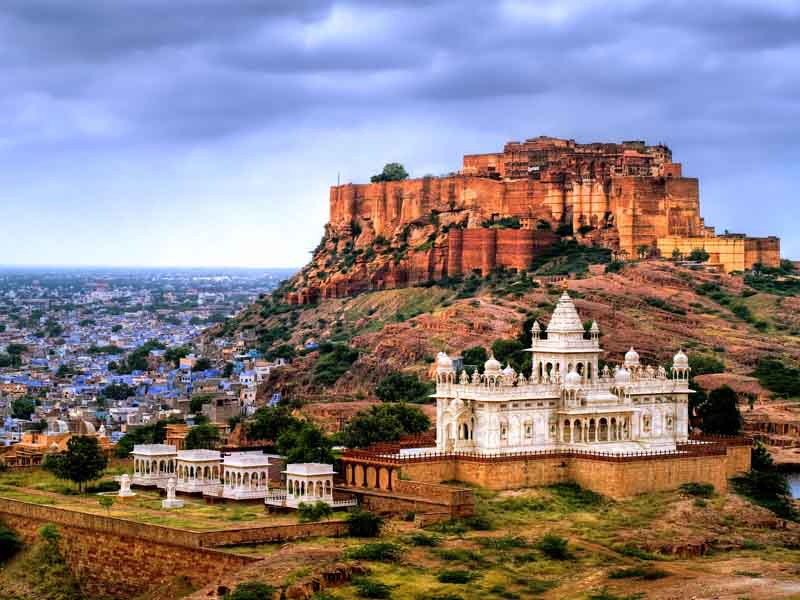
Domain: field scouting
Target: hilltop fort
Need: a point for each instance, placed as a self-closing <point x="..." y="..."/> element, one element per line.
<point x="504" y="208"/>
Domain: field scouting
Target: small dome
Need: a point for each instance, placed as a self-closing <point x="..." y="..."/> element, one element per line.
<point x="573" y="378"/>
<point x="509" y="371"/>
<point x="443" y="361"/>
<point x="680" y="360"/>
<point x="594" y="328"/>
<point x="492" y="365"/>
<point x="631" y="358"/>
<point x="622" y="376"/>
<point x="536" y="326"/>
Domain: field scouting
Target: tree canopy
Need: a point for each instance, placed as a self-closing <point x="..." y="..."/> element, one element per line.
<point x="202" y="436"/>
<point x="83" y="461"/>
<point x="305" y="442"/>
<point x="400" y="387"/>
<point x="391" y="172"/>
<point x="720" y="412"/>
<point x="269" y="422"/>
<point x="384" y="423"/>
<point x="119" y="391"/>
<point x="22" y="408"/>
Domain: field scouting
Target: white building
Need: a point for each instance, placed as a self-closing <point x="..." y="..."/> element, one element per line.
<point x="307" y="483"/>
<point x="245" y="476"/>
<point x="153" y="464"/>
<point x="567" y="402"/>
<point x="198" y="470"/>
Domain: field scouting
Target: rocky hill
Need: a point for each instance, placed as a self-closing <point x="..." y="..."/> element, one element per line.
<point x="655" y="306"/>
<point x="511" y="209"/>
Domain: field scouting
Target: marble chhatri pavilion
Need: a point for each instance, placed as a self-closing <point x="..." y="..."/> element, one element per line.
<point x="568" y="402"/>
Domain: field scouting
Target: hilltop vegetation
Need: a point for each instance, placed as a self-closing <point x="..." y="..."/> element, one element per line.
<point x="725" y="322"/>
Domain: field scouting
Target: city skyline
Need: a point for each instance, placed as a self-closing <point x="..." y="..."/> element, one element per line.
<point x="179" y="135"/>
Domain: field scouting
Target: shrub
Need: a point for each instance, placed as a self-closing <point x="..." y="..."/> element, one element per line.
<point x="10" y="544"/>
<point x="369" y="588"/>
<point x="362" y="523"/>
<point x="461" y="555"/>
<point x="333" y="362"/>
<point x="778" y="378"/>
<point x="379" y="551"/>
<point x="456" y="576"/>
<point x="251" y="590"/>
<point x="506" y="542"/>
<point x="554" y="547"/>
<point x="313" y="512"/>
<point x="698" y="490"/>
<point x="424" y="539"/>
<point x="645" y="572"/>
<point x="574" y="497"/>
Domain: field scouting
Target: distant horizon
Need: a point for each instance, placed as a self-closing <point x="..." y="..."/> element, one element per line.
<point x="143" y="267"/>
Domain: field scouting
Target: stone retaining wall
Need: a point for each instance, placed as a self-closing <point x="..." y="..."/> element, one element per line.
<point x="118" y="558"/>
<point x="616" y="479"/>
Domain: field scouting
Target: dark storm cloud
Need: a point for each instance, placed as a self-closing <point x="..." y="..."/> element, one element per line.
<point x="203" y="68"/>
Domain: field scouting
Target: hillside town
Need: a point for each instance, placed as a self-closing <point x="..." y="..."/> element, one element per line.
<point x="109" y="351"/>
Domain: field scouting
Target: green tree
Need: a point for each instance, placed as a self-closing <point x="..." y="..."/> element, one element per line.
<point x="202" y="436"/>
<point x="83" y="461"/>
<point x="400" y="387"/>
<point x="391" y="172"/>
<point x="384" y="423"/>
<point x="197" y="402"/>
<point x="720" y="413"/>
<point x="305" y="442"/>
<point x="22" y="408"/>
<point x="175" y="354"/>
<point x="643" y="251"/>
<point x="116" y="328"/>
<point x="119" y="391"/>
<point x="475" y="357"/>
<point x="202" y="364"/>
<point x="268" y="422"/>
<point x="677" y="254"/>
<point x="698" y="255"/>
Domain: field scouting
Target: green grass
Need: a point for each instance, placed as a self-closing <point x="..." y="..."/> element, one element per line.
<point x="646" y="572"/>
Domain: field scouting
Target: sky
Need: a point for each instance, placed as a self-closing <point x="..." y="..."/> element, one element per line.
<point x="200" y="132"/>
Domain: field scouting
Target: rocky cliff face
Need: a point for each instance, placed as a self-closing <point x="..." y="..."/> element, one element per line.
<point x="656" y="306"/>
<point x="504" y="210"/>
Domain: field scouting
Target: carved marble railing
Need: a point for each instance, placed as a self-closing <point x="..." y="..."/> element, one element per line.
<point x="549" y="391"/>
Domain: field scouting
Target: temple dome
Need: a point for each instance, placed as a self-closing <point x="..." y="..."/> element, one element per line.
<point x="573" y="378"/>
<point x="680" y="360"/>
<point x="444" y="362"/>
<point x="595" y="328"/>
<point x="492" y="366"/>
<point x="509" y="371"/>
<point x="565" y="317"/>
<point x="623" y="375"/>
<point x="631" y="358"/>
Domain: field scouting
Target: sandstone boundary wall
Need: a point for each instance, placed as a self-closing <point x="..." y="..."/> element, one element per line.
<point x="118" y="558"/>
